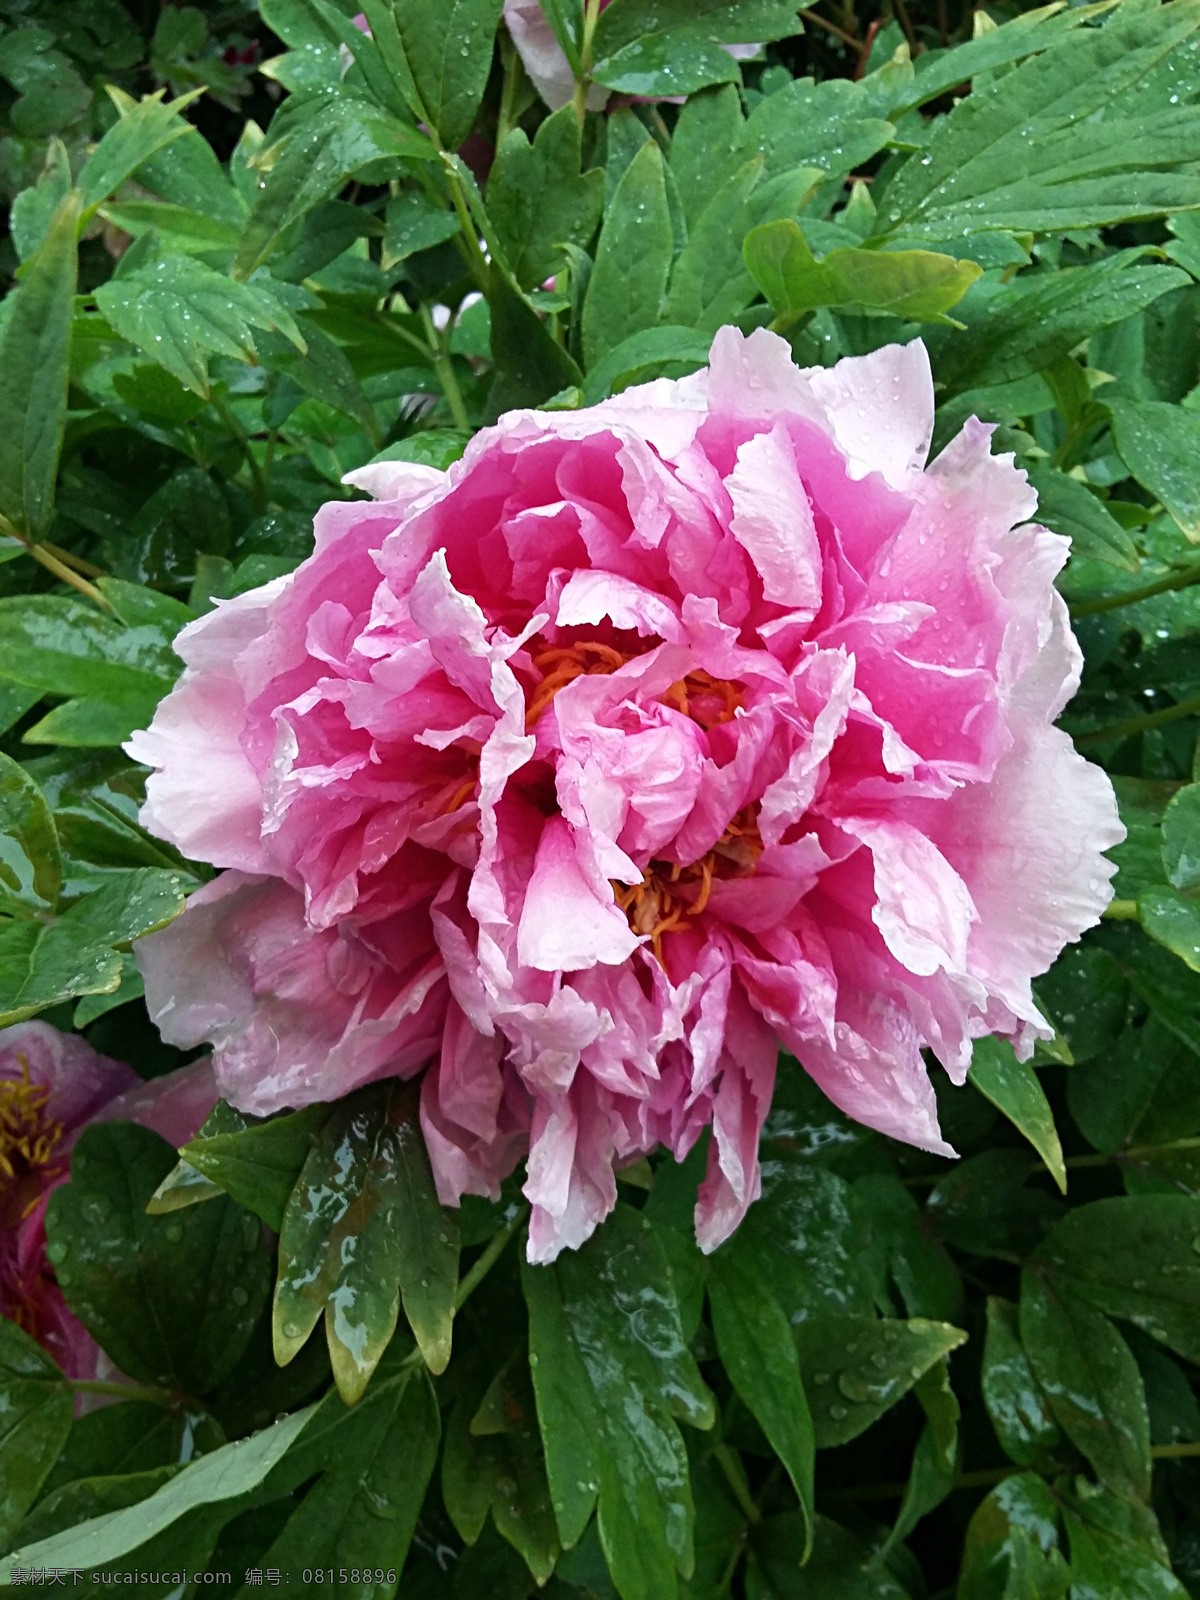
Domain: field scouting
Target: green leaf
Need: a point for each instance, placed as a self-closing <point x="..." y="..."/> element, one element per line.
<point x="903" y="1245"/>
<point x="144" y="128"/>
<point x="128" y="1437"/>
<point x="1067" y="507"/>
<point x="1037" y="151"/>
<point x="633" y="258"/>
<point x="1016" y="1405"/>
<point x="233" y="1470"/>
<point x="1090" y="1379"/>
<point x="32" y="209"/>
<point x="183" y="230"/>
<point x="986" y="1206"/>
<point x="539" y="200"/>
<point x="856" y="1368"/>
<point x="180" y="311"/>
<point x="337" y="136"/>
<point x="611" y="1371"/>
<point x="1027" y="326"/>
<point x="259" y="1166"/>
<point x="1173" y="920"/>
<point x="754" y="1341"/>
<point x="36" y="1407"/>
<point x="1013" y="1548"/>
<point x="530" y="365"/>
<point x="90" y="724"/>
<point x="42" y="963"/>
<point x="64" y="646"/>
<point x="918" y="285"/>
<point x="435" y="447"/>
<point x="415" y="223"/>
<point x="807" y="1240"/>
<point x="377" y="1461"/>
<point x="1116" y="1548"/>
<point x="669" y="47"/>
<point x="1181" y="838"/>
<point x="1160" y="444"/>
<point x="30" y="857"/>
<point x="655" y="352"/>
<point x="494" y="1461"/>
<point x="1013" y="1088"/>
<point x="35" y="355"/>
<point x="321" y="369"/>
<point x="842" y="1566"/>
<point x="448" y="44"/>
<point x="710" y="285"/>
<point x="935" y="1460"/>
<point x="1135" y="1258"/>
<point x="363" y="1230"/>
<point x="84" y="1498"/>
<point x="172" y="1299"/>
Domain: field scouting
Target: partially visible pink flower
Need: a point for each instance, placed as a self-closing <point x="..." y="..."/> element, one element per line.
<point x="548" y="68"/>
<point x="645" y="737"/>
<point x="52" y="1086"/>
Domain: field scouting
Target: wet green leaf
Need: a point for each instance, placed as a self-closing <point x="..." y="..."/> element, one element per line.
<point x="1173" y="920"/>
<point x="856" y="1368"/>
<point x="842" y="1565"/>
<point x="35" y="1417"/>
<point x="259" y="1165"/>
<point x="1116" y="1548"/>
<point x="1090" y="1380"/>
<point x="539" y="200"/>
<point x="918" y="285"/>
<point x="233" y="1470"/>
<point x="754" y="1340"/>
<point x="44" y="962"/>
<point x="181" y="312"/>
<point x="67" y="647"/>
<point x="30" y="857"/>
<point x="363" y="1231"/>
<point x="376" y="1462"/>
<point x="1013" y="1087"/>
<point x="173" y="1300"/>
<point x="1160" y="444"/>
<point x="35" y="358"/>
<point x="448" y="44"/>
<point x="987" y="1205"/>
<point x="144" y="128"/>
<point x="1181" y="838"/>
<point x="1014" y="1401"/>
<point x="1137" y="1258"/>
<point x="611" y="1372"/>
<point x="655" y="48"/>
<point x="494" y="1461"/>
<point x="1013" y="1547"/>
<point x="633" y="258"/>
<point x="1066" y="506"/>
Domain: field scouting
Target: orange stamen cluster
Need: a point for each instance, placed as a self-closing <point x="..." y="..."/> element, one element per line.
<point x="560" y="665"/>
<point x="29" y="1143"/>
<point x="669" y="891"/>
<point x="705" y="699"/>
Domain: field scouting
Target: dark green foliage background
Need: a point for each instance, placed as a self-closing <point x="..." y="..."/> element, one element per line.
<point x="904" y="1378"/>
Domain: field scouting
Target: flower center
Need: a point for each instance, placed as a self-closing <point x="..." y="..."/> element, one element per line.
<point x="669" y="891"/>
<point x="29" y="1143"/>
<point x="560" y="665"/>
<point x="707" y="700"/>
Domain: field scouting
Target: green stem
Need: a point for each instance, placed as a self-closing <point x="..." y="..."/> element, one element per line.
<point x="724" y="1459"/>
<point x="120" y="1391"/>
<point x="511" y="63"/>
<point x="234" y="427"/>
<point x="1121" y="911"/>
<point x="45" y="557"/>
<point x="443" y="365"/>
<point x="583" y="82"/>
<point x="1117" y="731"/>
<point x="1131" y="597"/>
<point x="472" y="254"/>
<point x="485" y="1263"/>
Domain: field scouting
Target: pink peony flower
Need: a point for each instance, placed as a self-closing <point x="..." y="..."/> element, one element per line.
<point x="52" y="1086"/>
<point x="548" y="69"/>
<point x="643" y="738"/>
